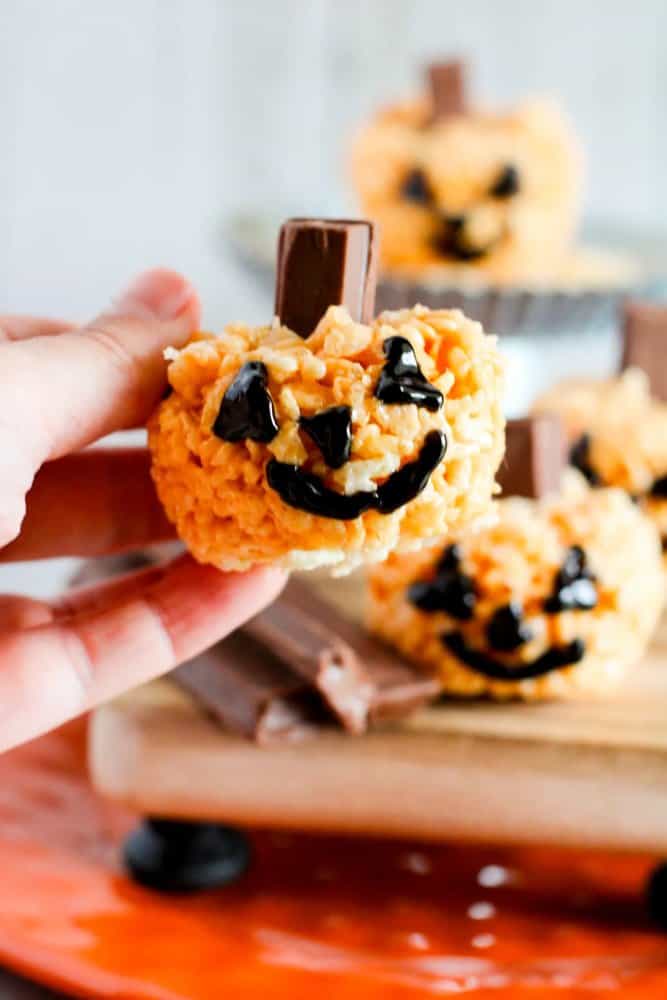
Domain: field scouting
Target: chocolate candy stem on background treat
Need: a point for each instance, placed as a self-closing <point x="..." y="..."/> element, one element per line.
<point x="328" y="438"/>
<point x="534" y="456"/>
<point x="447" y="86"/>
<point x="645" y="343"/>
<point x="560" y="596"/>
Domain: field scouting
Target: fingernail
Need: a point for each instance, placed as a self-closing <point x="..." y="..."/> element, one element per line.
<point x="158" y="294"/>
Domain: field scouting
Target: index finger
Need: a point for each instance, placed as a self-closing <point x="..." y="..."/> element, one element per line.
<point x="58" y="394"/>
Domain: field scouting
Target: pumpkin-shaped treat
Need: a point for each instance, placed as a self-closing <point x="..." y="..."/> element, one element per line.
<point x="617" y="427"/>
<point x="559" y="596"/>
<point x="328" y="438"/>
<point x="460" y="191"/>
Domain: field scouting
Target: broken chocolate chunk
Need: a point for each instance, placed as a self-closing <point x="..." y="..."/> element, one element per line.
<point x="246" y="410"/>
<point x="322" y="263"/>
<point x="402" y="380"/>
<point x="331" y="430"/>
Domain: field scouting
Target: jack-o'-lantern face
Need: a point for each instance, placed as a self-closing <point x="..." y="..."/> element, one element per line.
<point x="247" y="412"/>
<point x="492" y="640"/>
<point x="475" y="188"/>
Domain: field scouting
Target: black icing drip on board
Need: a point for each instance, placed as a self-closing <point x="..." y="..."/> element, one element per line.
<point x="402" y="380"/>
<point x="246" y="410"/>
<point x="580" y="458"/>
<point x="451" y="590"/>
<point x="506" y="629"/>
<point x="554" y="658"/>
<point x="307" y="492"/>
<point x="416" y="187"/>
<point x="507" y="184"/>
<point x="574" y="586"/>
<point x="331" y="430"/>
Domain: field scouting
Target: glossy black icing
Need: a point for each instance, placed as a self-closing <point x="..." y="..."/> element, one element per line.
<point x="508" y="183"/>
<point x="579" y="457"/>
<point x="506" y="629"/>
<point x="305" y="491"/>
<point x="416" y="187"/>
<point x="449" y="241"/>
<point x="574" y="586"/>
<point x="402" y="380"/>
<point x="554" y="658"/>
<point x="331" y="430"/>
<point x="246" y="410"/>
<point x="178" y="857"/>
<point x="451" y="590"/>
<point x="659" y="488"/>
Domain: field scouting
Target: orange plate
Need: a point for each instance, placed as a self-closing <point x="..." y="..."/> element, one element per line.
<point x="314" y="916"/>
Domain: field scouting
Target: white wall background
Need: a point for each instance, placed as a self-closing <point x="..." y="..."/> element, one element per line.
<point x="129" y="128"/>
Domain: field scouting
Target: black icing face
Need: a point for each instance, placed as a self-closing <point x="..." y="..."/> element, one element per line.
<point x="247" y="412"/>
<point x="580" y="458"/>
<point x="450" y="590"/>
<point x="458" y="235"/>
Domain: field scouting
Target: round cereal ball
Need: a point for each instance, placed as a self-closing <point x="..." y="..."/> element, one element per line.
<point x="330" y="450"/>
<point x="617" y="433"/>
<point x="477" y="194"/>
<point x="559" y="596"/>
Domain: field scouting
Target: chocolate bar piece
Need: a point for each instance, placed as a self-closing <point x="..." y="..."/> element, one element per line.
<point x="309" y="648"/>
<point x="325" y="262"/>
<point x="389" y="687"/>
<point x="447" y="87"/>
<point x="534" y="456"/>
<point x="242" y="685"/>
<point x="645" y="342"/>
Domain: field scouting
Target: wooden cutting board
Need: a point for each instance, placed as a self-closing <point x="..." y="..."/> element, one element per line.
<point x="585" y="773"/>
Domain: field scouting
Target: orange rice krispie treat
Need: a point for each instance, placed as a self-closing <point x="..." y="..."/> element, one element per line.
<point x="558" y="597"/>
<point x="331" y="445"/>
<point x="462" y="192"/>
<point x="617" y="427"/>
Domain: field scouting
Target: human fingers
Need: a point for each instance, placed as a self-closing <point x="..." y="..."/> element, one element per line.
<point x="24" y="327"/>
<point x="55" y="671"/>
<point x="91" y="503"/>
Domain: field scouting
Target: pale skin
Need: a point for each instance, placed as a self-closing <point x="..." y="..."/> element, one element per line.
<point x="62" y="388"/>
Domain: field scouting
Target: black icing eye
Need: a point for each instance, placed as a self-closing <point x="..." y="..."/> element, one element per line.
<point x="507" y="630"/>
<point x="574" y="586"/>
<point x="246" y="410"/>
<point x="579" y="457"/>
<point x="416" y="187"/>
<point x="659" y="488"/>
<point x="331" y="430"/>
<point x="451" y="591"/>
<point x="507" y="183"/>
<point x="402" y="380"/>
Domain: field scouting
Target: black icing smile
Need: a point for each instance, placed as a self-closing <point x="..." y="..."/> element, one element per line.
<point x="553" y="659"/>
<point x="453" y="592"/>
<point x="306" y="491"/>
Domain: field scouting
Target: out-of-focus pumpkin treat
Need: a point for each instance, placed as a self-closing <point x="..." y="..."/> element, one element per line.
<point x="328" y="438"/>
<point x="466" y="195"/>
<point x="559" y="596"/>
<point x="617" y="427"/>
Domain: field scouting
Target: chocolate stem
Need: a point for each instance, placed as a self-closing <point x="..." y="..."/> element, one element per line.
<point x="447" y="86"/>
<point x="645" y="342"/>
<point x="322" y="263"/>
<point x="534" y="456"/>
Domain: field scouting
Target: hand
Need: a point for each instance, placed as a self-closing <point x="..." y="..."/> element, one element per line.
<point x="60" y="390"/>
